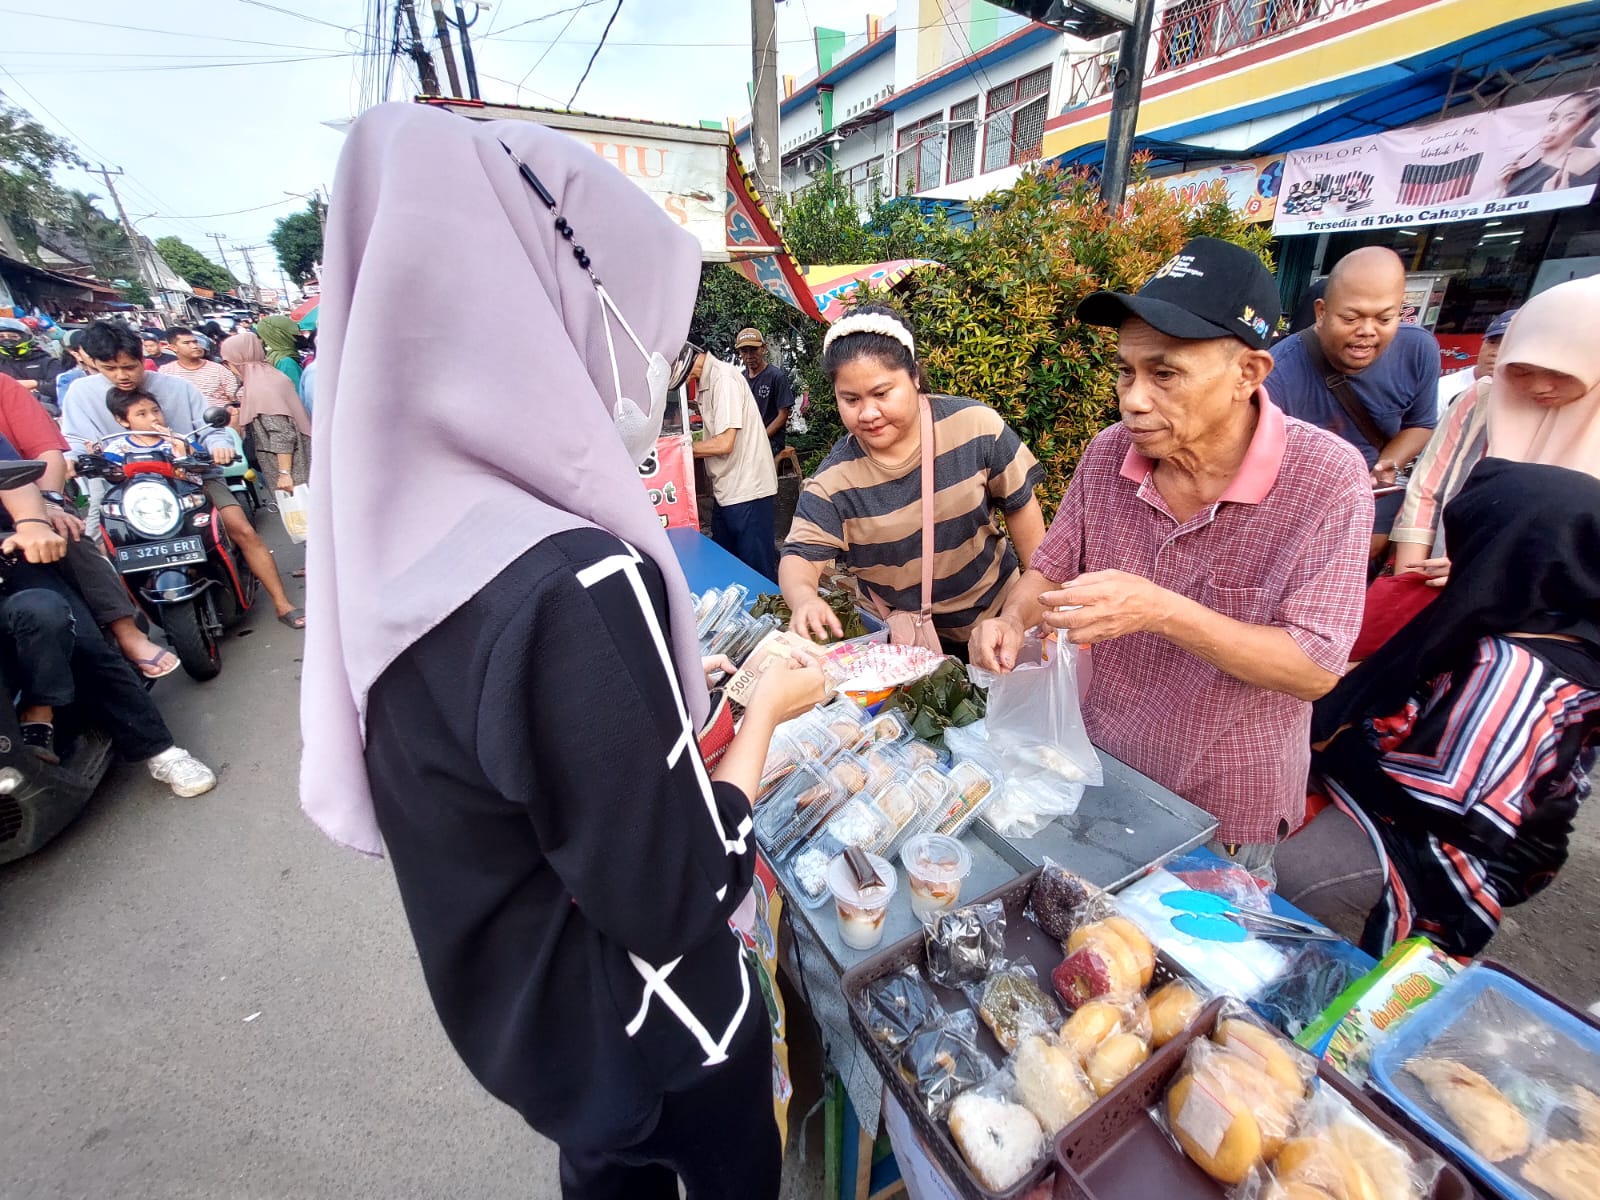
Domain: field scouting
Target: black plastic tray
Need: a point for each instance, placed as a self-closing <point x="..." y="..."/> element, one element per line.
<point x="1024" y="941"/>
<point x="1115" y="1151"/>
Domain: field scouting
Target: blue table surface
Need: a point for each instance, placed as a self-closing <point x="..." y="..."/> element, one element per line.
<point x="707" y="565"/>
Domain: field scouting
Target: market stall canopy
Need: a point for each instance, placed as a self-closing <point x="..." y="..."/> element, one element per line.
<point x="693" y="173"/>
<point x="831" y="285"/>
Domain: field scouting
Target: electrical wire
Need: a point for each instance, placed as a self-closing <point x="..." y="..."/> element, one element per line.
<point x="570" y="19"/>
<point x="542" y="17"/>
<point x="204" y="66"/>
<point x="291" y="12"/>
<point x="185" y="34"/>
<point x="601" y="43"/>
<point x="235" y="213"/>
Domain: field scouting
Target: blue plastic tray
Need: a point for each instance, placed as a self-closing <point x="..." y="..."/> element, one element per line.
<point x="1435" y="1019"/>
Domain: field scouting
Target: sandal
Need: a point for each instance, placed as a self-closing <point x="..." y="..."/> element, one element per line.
<point x="300" y="574"/>
<point x="295" y="618"/>
<point x="158" y="665"/>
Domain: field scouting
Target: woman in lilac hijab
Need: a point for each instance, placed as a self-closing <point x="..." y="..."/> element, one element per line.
<point x="502" y="686"/>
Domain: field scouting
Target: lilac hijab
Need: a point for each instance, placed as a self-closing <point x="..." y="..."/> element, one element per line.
<point x="436" y="469"/>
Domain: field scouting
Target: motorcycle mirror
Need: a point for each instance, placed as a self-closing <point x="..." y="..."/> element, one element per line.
<point x="16" y="474"/>
<point x="217" y="417"/>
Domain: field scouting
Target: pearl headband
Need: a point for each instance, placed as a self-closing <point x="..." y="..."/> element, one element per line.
<point x="870" y="323"/>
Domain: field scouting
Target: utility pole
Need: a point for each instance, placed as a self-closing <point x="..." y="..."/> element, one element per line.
<point x="147" y="275"/>
<point x="441" y="23"/>
<point x="419" y="53"/>
<point x="250" y="269"/>
<point x="466" y="50"/>
<point x="1126" y="84"/>
<point x="221" y="253"/>
<point x="764" y="99"/>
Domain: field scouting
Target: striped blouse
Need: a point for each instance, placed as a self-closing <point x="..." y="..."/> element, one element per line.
<point x="1471" y="796"/>
<point x="868" y="516"/>
<point x="1455" y="448"/>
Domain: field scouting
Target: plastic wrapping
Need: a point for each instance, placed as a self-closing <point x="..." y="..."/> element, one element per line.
<point x="942" y="1061"/>
<point x="1090" y="1026"/>
<point x="1335" y="1148"/>
<point x="1242" y="1033"/>
<point x="964" y="943"/>
<point x="728" y="602"/>
<point x="973" y="787"/>
<point x="1034" y="720"/>
<point x="1172" y="1008"/>
<point x="1050" y="1082"/>
<point x="901" y="1004"/>
<point x="845" y="721"/>
<point x="1207" y="873"/>
<point x="1229" y="1117"/>
<point x="1061" y="901"/>
<point x="936" y="867"/>
<point x="888" y="729"/>
<point x="1011" y="1003"/>
<point x="795" y="808"/>
<point x="998" y="1136"/>
<point x="1316" y="975"/>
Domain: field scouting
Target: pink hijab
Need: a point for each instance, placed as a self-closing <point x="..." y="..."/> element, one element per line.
<point x="501" y="448"/>
<point x="266" y="389"/>
<point x="1555" y="330"/>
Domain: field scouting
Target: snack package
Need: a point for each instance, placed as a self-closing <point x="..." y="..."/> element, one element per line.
<point x="936" y="866"/>
<point x="1410" y="975"/>
<point x="1011" y="1004"/>
<point x="900" y="1004"/>
<point x="846" y="721"/>
<point x="997" y="1135"/>
<point x="1316" y="975"/>
<point x="1227" y="1115"/>
<point x="1098" y="1020"/>
<point x="1241" y="1032"/>
<point x="1100" y="963"/>
<point x="1172" y="1008"/>
<point x="963" y="943"/>
<point x="888" y="729"/>
<point x="1116" y="935"/>
<point x="1114" y="1060"/>
<point x="1050" y="1082"/>
<point x="857" y="823"/>
<point x="943" y="1060"/>
<point x="1034" y="717"/>
<point x="796" y="808"/>
<point x="1061" y="901"/>
<point x="1337" y="1149"/>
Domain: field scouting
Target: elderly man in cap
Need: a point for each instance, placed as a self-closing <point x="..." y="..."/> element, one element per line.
<point x="768" y="384"/>
<point x="1210" y="549"/>
<point x="1454" y="385"/>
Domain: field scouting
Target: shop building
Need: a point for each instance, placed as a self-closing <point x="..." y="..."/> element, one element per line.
<point x="1377" y="122"/>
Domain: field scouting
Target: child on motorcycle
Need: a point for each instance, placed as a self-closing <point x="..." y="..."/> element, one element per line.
<point x="140" y="414"/>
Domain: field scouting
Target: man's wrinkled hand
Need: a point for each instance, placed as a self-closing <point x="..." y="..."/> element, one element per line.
<point x="1103" y="605"/>
<point x="995" y="643"/>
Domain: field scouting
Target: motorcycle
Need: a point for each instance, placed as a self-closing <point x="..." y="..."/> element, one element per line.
<point x="39" y="799"/>
<point x="166" y="539"/>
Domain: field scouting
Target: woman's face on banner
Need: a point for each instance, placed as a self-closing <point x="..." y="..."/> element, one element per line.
<point x="1566" y="121"/>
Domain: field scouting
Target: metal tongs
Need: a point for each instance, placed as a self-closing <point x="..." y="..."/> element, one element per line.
<point x="1220" y="920"/>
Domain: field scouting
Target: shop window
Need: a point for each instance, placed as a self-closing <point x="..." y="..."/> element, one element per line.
<point x="963" y="140"/>
<point x="1015" y="124"/>
<point x="916" y="164"/>
<point x="865" y="181"/>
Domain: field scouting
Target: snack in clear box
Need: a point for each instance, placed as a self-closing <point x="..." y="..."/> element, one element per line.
<point x="1050" y="1083"/>
<point x="858" y="823"/>
<point x="1564" y="1169"/>
<point x="962" y="943"/>
<point x="1172" y="1008"/>
<point x="899" y="800"/>
<point x="1490" y="1124"/>
<point x="900" y="1004"/>
<point x="935" y="867"/>
<point x="1061" y="901"/>
<point x="1011" y="1004"/>
<point x="919" y="754"/>
<point x="813" y="740"/>
<point x="943" y="1060"/>
<point x="966" y="787"/>
<point x="883" y="763"/>
<point x="1215" y="1109"/>
<point x="1337" y="1149"/>
<point x="845" y="721"/>
<point x="810" y="870"/>
<point x="888" y="729"/>
<point x="729" y="602"/>
<point x="796" y="808"/>
<point x="1000" y="1139"/>
<point x="849" y="773"/>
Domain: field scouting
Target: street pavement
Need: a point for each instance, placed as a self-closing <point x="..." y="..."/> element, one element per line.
<point x="207" y="999"/>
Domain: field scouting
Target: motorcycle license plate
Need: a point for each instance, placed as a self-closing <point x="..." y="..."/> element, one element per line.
<point x="150" y="555"/>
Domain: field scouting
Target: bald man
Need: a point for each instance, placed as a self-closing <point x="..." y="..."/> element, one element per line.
<point x="1390" y="370"/>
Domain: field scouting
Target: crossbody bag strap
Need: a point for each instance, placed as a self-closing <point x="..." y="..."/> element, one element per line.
<point x="1339" y="385"/>
<point x="926" y="611"/>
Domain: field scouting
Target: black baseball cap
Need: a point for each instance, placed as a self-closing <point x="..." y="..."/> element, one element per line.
<point x="1209" y="289"/>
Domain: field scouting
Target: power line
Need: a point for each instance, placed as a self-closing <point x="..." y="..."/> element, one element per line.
<point x="596" y="54"/>
<point x="570" y="19"/>
<point x="291" y="12"/>
<point x="235" y="213"/>
<point x="542" y="17"/>
<point x="200" y="66"/>
<point x="184" y="33"/>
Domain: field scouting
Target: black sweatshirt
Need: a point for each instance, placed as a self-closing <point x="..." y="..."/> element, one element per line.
<point x="567" y="867"/>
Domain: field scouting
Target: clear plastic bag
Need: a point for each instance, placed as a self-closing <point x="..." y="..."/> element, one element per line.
<point x="963" y="943"/>
<point x="1335" y="1148"/>
<point x="943" y="1060"/>
<point x="1227" y="1116"/>
<point x="1035" y="724"/>
<point x="1061" y="901"/>
<point x="1012" y="1004"/>
<point x="1050" y="1082"/>
<point x="900" y="1004"/>
<point x="999" y="1136"/>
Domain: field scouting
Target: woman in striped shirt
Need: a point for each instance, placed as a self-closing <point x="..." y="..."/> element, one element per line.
<point x="1451" y="764"/>
<point x="863" y="507"/>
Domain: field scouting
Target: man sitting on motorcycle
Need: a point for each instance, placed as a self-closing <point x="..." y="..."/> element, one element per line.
<point x="54" y="654"/>
<point x="118" y="356"/>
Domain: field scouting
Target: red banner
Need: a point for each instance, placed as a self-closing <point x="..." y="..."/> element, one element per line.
<point x="749" y="226"/>
<point x="668" y="474"/>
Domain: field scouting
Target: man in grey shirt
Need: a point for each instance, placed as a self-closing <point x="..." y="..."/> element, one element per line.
<point x="118" y="355"/>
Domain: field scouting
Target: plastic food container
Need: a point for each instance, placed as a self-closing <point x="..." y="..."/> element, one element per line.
<point x="799" y="805"/>
<point x="858" y="823"/>
<point x="906" y="806"/>
<point x="974" y="788"/>
<point x="889" y="729"/>
<point x="935" y="866"/>
<point x="861" y="911"/>
<point x="846" y="722"/>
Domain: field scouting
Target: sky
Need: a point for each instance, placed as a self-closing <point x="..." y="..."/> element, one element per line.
<point x="214" y="109"/>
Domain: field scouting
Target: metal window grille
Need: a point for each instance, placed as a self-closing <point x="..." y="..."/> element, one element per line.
<point x="1017" y="113"/>
<point x="917" y="162"/>
<point x="963" y="140"/>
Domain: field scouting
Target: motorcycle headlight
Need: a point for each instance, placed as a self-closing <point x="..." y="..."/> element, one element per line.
<point x="151" y="508"/>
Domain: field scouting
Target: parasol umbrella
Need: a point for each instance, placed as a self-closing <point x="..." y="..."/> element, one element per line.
<point x="830" y="285"/>
<point x="306" y="308"/>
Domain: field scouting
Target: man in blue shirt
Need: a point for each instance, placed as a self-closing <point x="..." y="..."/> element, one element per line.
<point x="1390" y="369"/>
<point x="768" y="384"/>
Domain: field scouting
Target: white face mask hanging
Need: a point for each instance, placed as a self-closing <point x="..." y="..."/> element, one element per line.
<point x="637" y="428"/>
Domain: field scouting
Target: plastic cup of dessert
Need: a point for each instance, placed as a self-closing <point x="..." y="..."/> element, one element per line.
<point x="861" y="911"/>
<point x="935" y="866"/>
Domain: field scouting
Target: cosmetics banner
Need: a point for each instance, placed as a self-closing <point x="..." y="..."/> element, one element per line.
<point x="1525" y="158"/>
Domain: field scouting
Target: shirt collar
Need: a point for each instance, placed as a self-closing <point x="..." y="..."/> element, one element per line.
<point x="1262" y="461"/>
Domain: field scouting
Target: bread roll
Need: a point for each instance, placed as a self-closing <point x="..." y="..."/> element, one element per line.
<point x="1273" y="1112"/>
<point x="1088" y="1027"/>
<point x="1491" y="1124"/>
<point x="1173" y="1009"/>
<point x="1124" y="963"/>
<point x="1143" y="952"/>
<point x="1267" y="1050"/>
<point x="1215" y="1128"/>
<point x="1049" y="1083"/>
<point x="1116" y="1057"/>
<point x="1319" y="1163"/>
<point x="1387" y="1163"/>
<point x="1000" y="1141"/>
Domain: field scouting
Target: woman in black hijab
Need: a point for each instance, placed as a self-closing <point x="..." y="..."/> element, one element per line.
<point x="1452" y="763"/>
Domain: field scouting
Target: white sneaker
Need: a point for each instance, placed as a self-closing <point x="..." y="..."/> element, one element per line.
<point x="185" y="773"/>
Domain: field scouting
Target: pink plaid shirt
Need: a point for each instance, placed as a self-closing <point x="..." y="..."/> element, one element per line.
<point x="1285" y="546"/>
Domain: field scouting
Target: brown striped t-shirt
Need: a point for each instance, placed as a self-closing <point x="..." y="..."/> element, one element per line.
<point x="868" y="516"/>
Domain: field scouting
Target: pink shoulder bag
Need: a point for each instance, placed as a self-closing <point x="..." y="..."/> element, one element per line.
<point x="916" y="628"/>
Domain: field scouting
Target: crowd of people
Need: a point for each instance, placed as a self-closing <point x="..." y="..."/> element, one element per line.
<point x="1219" y="553"/>
<point x="73" y="636"/>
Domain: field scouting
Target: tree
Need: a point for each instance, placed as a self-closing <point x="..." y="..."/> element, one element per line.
<point x="28" y="154"/>
<point x="298" y="240"/>
<point x="79" y="230"/>
<point x="195" y="268"/>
